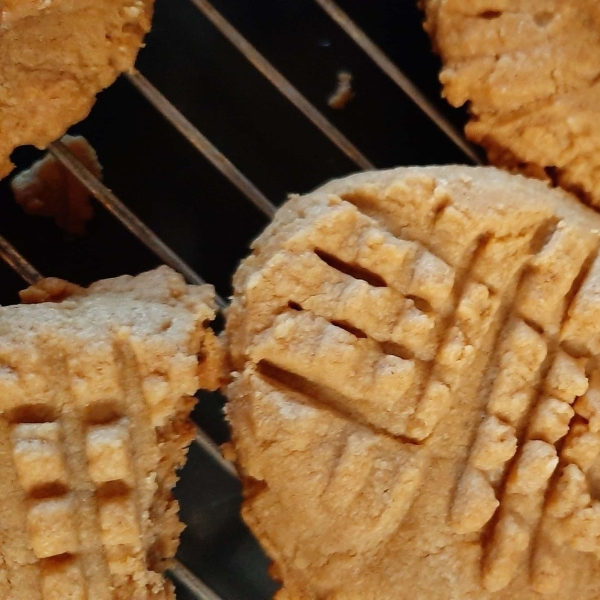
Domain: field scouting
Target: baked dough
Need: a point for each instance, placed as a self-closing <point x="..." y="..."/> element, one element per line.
<point x="530" y="73"/>
<point x="56" y="56"/>
<point x="96" y="389"/>
<point x="49" y="189"/>
<point x="415" y="407"/>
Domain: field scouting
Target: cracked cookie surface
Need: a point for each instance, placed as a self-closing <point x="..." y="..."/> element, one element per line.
<point x="415" y="406"/>
<point x="530" y="73"/>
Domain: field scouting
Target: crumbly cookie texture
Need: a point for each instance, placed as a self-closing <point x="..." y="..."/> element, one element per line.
<point x="96" y="389"/>
<point x="415" y="408"/>
<point x="530" y="72"/>
<point x="49" y="189"/>
<point x="56" y="56"/>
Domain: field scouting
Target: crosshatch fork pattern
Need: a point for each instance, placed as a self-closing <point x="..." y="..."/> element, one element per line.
<point x="511" y="307"/>
<point x="88" y="391"/>
<point x="56" y="486"/>
<point x="537" y="381"/>
<point x="31" y="275"/>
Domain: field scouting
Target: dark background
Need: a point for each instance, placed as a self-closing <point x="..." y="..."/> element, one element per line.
<point x="205" y="219"/>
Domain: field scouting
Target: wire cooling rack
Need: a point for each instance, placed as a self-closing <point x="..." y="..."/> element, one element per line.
<point x="245" y="86"/>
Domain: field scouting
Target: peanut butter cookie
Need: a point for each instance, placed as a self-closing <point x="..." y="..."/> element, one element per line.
<point x="530" y="73"/>
<point x="416" y="403"/>
<point x="96" y="389"/>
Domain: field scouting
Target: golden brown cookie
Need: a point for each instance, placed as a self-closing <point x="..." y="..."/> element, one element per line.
<point x="96" y="389"/>
<point x="56" y="56"/>
<point x="530" y="73"/>
<point x="416" y="403"/>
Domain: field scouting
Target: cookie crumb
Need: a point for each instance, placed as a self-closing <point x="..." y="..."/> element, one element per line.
<point x="229" y="453"/>
<point x="49" y="289"/>
<point x="48" y="189"/>
<point x="343" y="92"/>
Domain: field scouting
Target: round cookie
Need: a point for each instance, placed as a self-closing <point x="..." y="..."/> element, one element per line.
<point x="530" y="72"/>
<point x="415" y="406"/>
<point x="56" y="56"/>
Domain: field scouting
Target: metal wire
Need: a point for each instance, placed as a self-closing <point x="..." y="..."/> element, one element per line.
<point x="14" y="259"/>
<point x="205" y="442"/>
<point x="132" y="222"/>
<point x="283" y="85"/>
<point x="202" y="144"/>
<point x="398" y="77"/>
<point x="185" y="577"/>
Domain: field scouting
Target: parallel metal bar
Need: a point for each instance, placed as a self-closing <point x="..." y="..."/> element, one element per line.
<point x="186" y="578"/>
<point x="125" y="216"/>
<point x="398" y="77"/>
<point x="205" y="442"/>
<point x="283" y="85"/>
<point x="202" y="144"/>
<point x="14" y="259"/>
